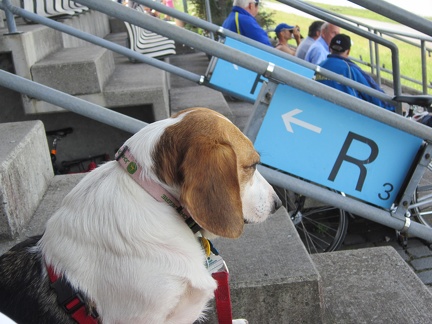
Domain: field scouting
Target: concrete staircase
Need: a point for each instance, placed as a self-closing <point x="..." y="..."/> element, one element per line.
<point x="84" y="70"/>
<point x="273" y="279"/>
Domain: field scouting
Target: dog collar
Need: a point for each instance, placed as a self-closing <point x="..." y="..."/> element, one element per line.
<point x="133" y="168"/>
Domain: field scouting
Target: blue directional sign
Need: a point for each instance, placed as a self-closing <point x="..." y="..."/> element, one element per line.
<point x="245" y="83"/>
<point x="333" y="146"/>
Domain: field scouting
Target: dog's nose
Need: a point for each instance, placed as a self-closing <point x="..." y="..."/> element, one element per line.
<point x="277" y="203"/>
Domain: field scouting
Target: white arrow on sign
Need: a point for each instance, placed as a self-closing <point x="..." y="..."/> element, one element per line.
<point x="289" y="119"/>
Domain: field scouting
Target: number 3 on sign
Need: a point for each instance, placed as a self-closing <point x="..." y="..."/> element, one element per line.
<point x="388" y="188"/>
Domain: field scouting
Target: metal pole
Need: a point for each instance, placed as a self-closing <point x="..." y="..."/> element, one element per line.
<point x="371" y="54"/>
<point x="424" y="66"/>
<point x="261" y="67"/>
<point x="105" y="43"/>
<point x="398" y="14"/>
<point x="378" y="63"/>
<point x="211" y="27"/>
<point x="351" y="205"/>
<point x="209" y="16"/>
<point x="71" y="103"/>
<point x="185" y="6"/>
<point x="317" y="12"/>
<point x="10" y="18"/>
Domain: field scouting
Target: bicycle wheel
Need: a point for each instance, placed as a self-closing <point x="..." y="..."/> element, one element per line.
<point x="421" y="206"/>
<point x="321" y="228"/>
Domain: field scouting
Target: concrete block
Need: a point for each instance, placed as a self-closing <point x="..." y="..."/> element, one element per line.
<point x="80" y="70"/>
<point x="272" y="277"/>
<point x="58" y="188"/>
<point x="91" y="21"/>
<point x="117" y="25"/>
<point x="199" y="96"/>
<point x="25" y="171"/>
<point x="134" y="84"/>
<point x="372" y="286"/>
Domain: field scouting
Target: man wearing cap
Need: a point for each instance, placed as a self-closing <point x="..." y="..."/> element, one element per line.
<point x="242" y="21"/>
<point x="284" y="33"/>
<point x="320" y="48"/>
<point x="338" y="62"/>
<point x="313" y="34"/>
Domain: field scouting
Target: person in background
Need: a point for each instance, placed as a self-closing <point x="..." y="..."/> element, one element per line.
<point x="320" y="48"/>
<point x="313" y="34"/>
<point x="284" y="33"/>
<point x="338" y="62"/>
<point x="169" y="4"/>
<point x="242" y="21"/>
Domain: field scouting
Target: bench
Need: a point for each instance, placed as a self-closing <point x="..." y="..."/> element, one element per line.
<point x="146" y="42"/>
<point x="53" y="8"/>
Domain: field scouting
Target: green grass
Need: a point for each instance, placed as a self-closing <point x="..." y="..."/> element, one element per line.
<point x="409" y="56"/>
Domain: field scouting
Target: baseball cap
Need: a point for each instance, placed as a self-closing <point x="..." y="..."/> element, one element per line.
<point x="340" y="43"/>
<point x="281" y="26"/>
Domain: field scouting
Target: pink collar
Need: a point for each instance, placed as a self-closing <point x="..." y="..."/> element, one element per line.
<point x="130" y="164"/>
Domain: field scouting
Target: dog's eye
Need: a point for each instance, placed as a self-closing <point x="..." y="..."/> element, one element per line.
<point x="253" y="166"/>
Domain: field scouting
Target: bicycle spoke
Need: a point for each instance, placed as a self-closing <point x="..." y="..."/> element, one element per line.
<point x="313" y="240"/>
<point x="322" y="228"/>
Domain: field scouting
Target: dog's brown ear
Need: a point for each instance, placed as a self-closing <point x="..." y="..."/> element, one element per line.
<point x="211" y="189"/>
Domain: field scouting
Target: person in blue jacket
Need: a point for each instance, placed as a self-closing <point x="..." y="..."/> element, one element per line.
<point x="242" y="21"/>
<point x="338" y="62"/>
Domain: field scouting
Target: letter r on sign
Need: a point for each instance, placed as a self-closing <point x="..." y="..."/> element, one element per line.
<point x="343" y="156"/>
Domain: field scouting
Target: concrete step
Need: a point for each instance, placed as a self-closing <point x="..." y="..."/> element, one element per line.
<point x="25" y="171"/>
<point x="77" y="71"/>
<point x="373" y="285"/>
<point x="58" y="187"/>
<point x="199" y="96"/>
<point x="272" y="277"/>
<point x="87" y="71"/>
<point x="105" y="78"/>
<point x="186" y="94"/>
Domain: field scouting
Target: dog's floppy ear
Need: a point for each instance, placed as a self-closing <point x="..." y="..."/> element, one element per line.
<point x="211" y="189"/>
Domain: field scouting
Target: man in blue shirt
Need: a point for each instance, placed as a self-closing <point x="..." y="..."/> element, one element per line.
<point x="242" y="21"/>
<point x="313" y="34"/>
<point x="320" y="48"/>
<point x="338" y="62"/>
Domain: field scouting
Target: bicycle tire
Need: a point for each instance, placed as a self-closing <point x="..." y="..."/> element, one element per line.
<point x="321" y="228"/>
<point x="423" y="212"/>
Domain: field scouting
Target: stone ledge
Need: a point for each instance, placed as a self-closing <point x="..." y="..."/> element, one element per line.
<point x="372" y="285"/>
<point x="25" y="171"/>
<point x="272" y="278"/>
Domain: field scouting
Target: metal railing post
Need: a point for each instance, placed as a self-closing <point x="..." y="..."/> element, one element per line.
<point x="209" y="15"/>
<point x="371" y="54"/>
<point x="424" y="70"/>
<point x="10" y="18"/>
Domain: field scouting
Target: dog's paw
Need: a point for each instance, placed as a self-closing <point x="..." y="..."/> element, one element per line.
<point x="239" y="321"/>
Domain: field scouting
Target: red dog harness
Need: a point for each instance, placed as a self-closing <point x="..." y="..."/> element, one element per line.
<point x="71" y="300"/>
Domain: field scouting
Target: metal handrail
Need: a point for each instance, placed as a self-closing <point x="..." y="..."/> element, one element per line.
<point x="374" y="53"/>
<point x="395" y="13"/>
<point x="71" y="103"/>
<point x="172" y="69"/>
<point x="223" y="32"/>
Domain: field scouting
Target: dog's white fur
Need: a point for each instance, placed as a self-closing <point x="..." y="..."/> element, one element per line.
<point x="135" y="257"/>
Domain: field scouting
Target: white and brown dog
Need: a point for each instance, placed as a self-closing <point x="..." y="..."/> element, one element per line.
<point x="116" y="251"/>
